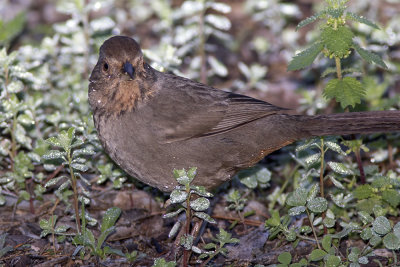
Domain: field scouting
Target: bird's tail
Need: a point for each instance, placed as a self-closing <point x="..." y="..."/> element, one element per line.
<point x="349" y="123"/>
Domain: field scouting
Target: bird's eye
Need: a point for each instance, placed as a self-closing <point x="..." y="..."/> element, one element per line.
<point x="105" y="67"/>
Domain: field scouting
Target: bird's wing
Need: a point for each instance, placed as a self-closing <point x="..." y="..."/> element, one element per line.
<point x="185" y="109"/>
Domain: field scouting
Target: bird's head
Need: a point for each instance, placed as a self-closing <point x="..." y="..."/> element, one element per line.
<point x="121" y="78"/>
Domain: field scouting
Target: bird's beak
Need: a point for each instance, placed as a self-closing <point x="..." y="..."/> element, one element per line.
<point x="128" y="68"/>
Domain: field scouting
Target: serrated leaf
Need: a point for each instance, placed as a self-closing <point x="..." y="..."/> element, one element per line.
<point x="310" y="19"/>
<point x="381" y="225"/>
<point x="363" y="191"/>
<point x="347" y="91"/>
<point x="338" y="41"/>
<point x="305" y="58"/>
<point x="361" y="19"/>
<point x="370" y="57"/>
<point x="318" y="205"/>
<point x="340" y="168"/>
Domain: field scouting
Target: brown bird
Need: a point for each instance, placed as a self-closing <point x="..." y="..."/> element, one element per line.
<point x="151" y="122"/>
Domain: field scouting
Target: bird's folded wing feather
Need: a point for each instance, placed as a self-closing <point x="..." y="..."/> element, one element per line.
<point x="187" y="109"/>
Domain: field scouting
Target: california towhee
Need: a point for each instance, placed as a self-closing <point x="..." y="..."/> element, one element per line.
<point x="151" y="122"/>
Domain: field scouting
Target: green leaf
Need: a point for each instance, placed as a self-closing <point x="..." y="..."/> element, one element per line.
<point x="173" y="214"/>
<point x="160" y="262"/>
<point x="298" y="197"/>
<point x="363" y="191"/>
<point x="296" y="210"/>
<point x="347" y="91"/>
<point x="381" y="225"/>
<point x="285" y="258"/>
<point x="178" y="196"/>
<point x="332" y="261"/>
<point x="334" y="147"/>
<point x="305" y="58"/>
<point x="370" y="57"/>
<point x="310" y="19"/>
<point x="318" y="205"/>
<point x="361" y="19"/>
<point x="204" y="216"/>
<point x="340" y="168"/>
<point x="200" y="204"/>
<point x="391" y="241"/>
<point x="10" y="29"/>
<point x="327" y="242"/>
<point x="366" y="234"/>
<point x="275" y="220"/>
<point x="338" y="41"/>
<point x="392" y="197"/>
<point x="317" y="255"/>
<point x="110" y="217"/>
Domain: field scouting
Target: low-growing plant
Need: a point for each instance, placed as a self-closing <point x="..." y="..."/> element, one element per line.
<point x="182" y="196"/>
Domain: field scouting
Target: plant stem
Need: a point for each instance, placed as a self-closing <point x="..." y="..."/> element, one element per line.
<point x="187" y="227"/>
<point x="74" y="188"/>
<point x="321" y="170"/>
<point x="313" y="229"/>
<point x="338" y="68"/>
<point x="13" y="141"/>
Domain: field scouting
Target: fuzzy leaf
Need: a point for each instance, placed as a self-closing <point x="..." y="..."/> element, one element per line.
<point x="200" y="204"/>
<point x="53" y="154"/>
<point x="318" y="205"/>
<point x="296" y="210"/>
<point x="363" y="191"/>
<point x="338" y="41"/>
<point x="381" y="225"/>
<point x="110" y="217"/>
<point x="285" y="258"/>
<point x="361" y="19"/>
<point x="392" y="197"/>
<point x="310" y="19"/>
<point x="306" y="57"/>
<point x="370" y="57"/>
<point x="335" y="147"/>
<point x="204" y="216"/>
<point x="340" y="168"/>
<point x="391" y="241"/>
<point x="178" y="196"/>
<point x="347" y="91"/>
<point x="317" y="255"/>
<point x="297" y="198"/>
